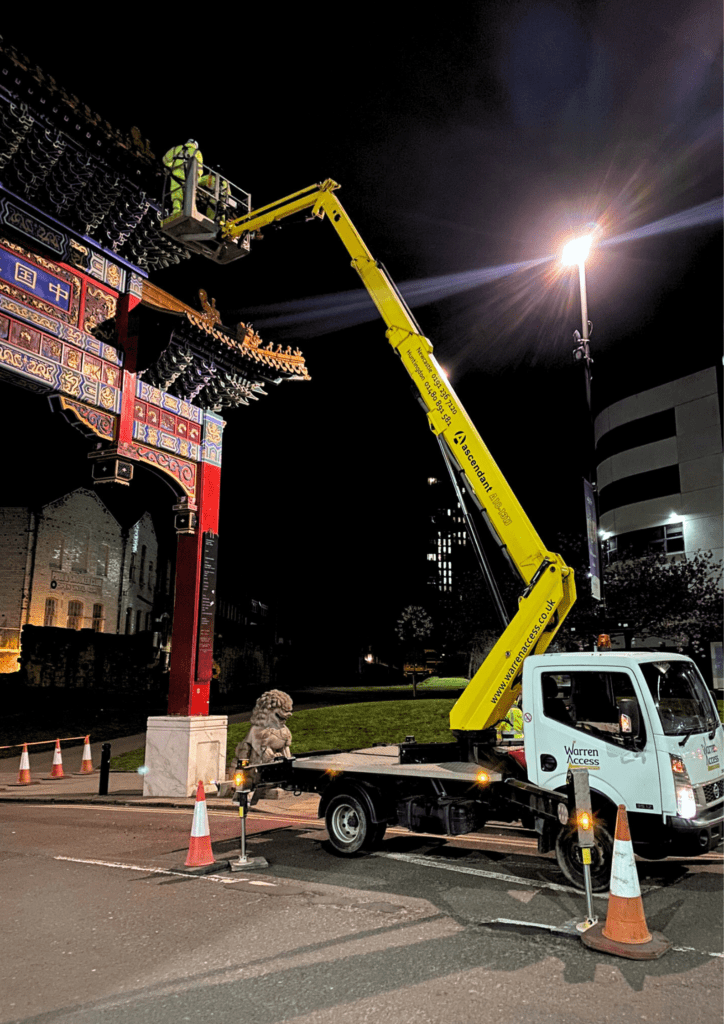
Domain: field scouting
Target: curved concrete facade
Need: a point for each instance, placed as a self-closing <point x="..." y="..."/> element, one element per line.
<point x="661" y="462"/>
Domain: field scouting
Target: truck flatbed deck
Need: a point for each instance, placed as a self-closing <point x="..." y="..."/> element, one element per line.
<point x="385" y="760"/>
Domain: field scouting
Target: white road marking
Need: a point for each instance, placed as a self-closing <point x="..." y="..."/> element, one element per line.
<point x="432" y="862"/>
<point x="159" y="871"/>
<point x="564" y="931"/>
<point x="691" y="949"/>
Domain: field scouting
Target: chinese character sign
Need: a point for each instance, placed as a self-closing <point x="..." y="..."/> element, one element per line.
<point x="35" y="281"/>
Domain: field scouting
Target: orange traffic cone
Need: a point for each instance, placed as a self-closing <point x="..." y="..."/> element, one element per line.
<point x="24" y="773"/>
<point x="625" y="932"/>
<point x="200" y="852"/>
<point x="86" y="765"/>
<point x="56" y="771"/>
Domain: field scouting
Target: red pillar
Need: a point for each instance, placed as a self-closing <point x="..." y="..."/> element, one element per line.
<point x="190" y="668"/>
<point x="190" y="676"/>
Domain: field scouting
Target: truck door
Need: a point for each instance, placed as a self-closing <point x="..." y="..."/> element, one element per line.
<point x="576" y="724"/>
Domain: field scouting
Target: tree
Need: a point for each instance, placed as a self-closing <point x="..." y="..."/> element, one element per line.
<point x="678" y="601"/>
<point x="413" y="628"/>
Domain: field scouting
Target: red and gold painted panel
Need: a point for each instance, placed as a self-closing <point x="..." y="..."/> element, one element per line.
<point x="96" y="421"/>
<point x="47" y="314"/>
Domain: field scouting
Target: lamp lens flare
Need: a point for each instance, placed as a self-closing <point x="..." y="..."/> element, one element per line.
<point x="576" y="250"/>
<point x="482" y="778"/>
<point x="585" y="821"/>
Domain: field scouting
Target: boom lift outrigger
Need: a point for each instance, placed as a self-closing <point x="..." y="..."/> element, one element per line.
<point x="549" y="589"/>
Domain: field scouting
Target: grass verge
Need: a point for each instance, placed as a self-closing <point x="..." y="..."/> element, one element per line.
<point x="438" y="683"/>
<point x="343" y="727"/>
<point x="347" y="726"/>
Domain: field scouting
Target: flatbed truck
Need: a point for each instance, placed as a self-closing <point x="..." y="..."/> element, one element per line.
<point x="644" y="725"/>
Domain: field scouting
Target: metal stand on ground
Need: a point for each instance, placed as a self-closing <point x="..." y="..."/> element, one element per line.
<point x="579" y="801"/>
<point x="591" y="918"/>
<point x="245" y="863"/>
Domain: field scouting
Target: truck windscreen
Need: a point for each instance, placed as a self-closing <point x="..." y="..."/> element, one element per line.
<point x="681" y="697"/>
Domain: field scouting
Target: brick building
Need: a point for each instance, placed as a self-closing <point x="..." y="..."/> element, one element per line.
<point x="70" y="564"/>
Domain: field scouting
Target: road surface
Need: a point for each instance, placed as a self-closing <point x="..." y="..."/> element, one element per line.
<point x="101" y="925"/>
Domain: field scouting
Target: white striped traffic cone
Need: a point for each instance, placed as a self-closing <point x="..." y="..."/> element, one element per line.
<point x="200" y="852"/>
<point x="56" y="771"/>
<point x="86" y="765"/>
<point x="24" y="773"/>
<point x="625" y="932"/>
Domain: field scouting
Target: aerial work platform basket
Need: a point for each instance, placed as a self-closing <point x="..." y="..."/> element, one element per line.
<point x="194" y="212"/>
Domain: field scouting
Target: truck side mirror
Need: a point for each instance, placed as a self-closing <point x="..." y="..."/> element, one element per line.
<point x="629" y="721"/>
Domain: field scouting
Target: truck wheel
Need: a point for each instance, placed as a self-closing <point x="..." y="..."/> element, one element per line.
<point x="570" y="860"/>
<point x="349" y="826"/>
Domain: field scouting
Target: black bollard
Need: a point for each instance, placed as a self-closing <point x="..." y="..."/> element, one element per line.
<point x="105" y="769"/>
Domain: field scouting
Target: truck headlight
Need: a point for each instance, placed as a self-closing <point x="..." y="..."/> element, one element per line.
<point x="685" y="802"/>
<point x="685" y="798"/>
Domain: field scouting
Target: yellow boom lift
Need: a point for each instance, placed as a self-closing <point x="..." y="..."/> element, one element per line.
<point x="548" y="585"/>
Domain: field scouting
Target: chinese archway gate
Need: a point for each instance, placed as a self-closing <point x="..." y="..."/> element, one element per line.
<point x="79" y="235"/>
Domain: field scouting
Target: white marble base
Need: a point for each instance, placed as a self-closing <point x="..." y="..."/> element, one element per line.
<point x="180" y="751"/>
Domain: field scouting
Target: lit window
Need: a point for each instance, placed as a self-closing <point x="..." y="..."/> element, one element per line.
<point x="75" y="614"/>
<point x="51" y="611"/>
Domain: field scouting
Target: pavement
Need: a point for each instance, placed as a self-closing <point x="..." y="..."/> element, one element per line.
<point x="124" y="788"/>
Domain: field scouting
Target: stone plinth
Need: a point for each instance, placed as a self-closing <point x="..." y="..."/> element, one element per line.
<point x="180" y="751"/>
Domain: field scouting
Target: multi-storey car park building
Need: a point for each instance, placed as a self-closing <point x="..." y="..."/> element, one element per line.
<point x="660" y="471"/>
<point x="659" y="455"/>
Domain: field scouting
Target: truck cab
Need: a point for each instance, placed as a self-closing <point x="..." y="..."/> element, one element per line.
<point x="647" y="729"/>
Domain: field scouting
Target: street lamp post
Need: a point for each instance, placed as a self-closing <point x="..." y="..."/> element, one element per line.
<point x="575" y="253"/>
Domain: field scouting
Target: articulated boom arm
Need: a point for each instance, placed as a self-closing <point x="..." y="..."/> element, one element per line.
<point x="549" y="587"/>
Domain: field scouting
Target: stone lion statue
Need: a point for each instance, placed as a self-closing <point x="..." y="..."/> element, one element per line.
<point x="269" y="736"/>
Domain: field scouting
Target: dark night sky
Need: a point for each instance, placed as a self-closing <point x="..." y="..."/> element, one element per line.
<point x="463" y="145"/>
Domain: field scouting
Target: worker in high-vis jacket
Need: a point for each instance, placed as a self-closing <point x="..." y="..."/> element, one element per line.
<point x="512" y="723"/>
<point x="179" y="160"/>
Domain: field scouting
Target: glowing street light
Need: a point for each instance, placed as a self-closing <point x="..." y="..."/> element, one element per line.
<point x="576" y="250"/>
